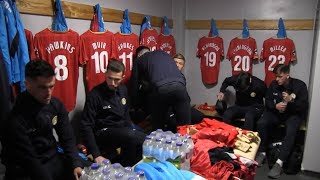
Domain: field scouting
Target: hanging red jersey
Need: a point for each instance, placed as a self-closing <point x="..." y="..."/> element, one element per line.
<point x="210" y="51"/>
<point x="241" y="53"/>
<point x="61" y="50"/>
<point x="29" y="37"/>
<point x="95" y="54"/>
<point x="149" y="38"/>
<point x="167" y="43"/>
<point x="274" y="52"/>
<point x="123" y="49"/>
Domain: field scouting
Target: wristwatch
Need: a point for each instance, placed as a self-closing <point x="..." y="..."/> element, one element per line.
<point x="293" y="96"/>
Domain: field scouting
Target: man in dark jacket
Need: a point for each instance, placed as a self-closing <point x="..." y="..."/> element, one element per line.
<point x="105" y="119"/>
<point x="167" y="85"/>
<point x="30" y="150"/>
<point x="286" y="102"/>
<point x="250" y="92"/>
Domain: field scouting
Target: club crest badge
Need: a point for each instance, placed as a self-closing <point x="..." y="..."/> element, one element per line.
<point x="124" y="101"/>
<point x="54" y="120"/>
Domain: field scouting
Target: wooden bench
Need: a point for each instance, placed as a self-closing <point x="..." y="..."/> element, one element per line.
<point x="216" y="115"/>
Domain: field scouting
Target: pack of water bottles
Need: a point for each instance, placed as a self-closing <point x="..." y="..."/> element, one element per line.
<point x="108" y="171"/>
<point x="167" y="146"/>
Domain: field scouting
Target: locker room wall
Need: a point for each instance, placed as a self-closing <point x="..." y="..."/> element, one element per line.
<point x="249" y="9"/>
<point x="151" y="7"/>
<point x="311" y="159"/>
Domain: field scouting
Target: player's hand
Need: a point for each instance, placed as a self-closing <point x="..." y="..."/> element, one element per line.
<point x="281" y="106"/>
<point x="286" y="97"/>
<point x="99" y="159"/>
<point x="77" y="172"/>
<point x="220" y="96"/>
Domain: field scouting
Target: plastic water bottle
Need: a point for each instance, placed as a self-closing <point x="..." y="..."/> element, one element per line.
<point x="174" y="139"/>
<point x="147" y="147"/>
<point x="119" y="176"/>
<point x="159" y="132"/>
<point x="140" y="175"/>
<point x="128" y="172"/>
<point x="187" y="151"/>
<point x="163" y="138"/>
<point x="105" y="174"/>
<point x="94" y="171"/>
<point x="153" y="135"/>
<point x="179" y="156"/>
<point x="190" y="144"/>
<point x="157" y="149"/>
<point x="106" y="164"/>
<point x="167" y="150"/>
<point x="116" y="168"/>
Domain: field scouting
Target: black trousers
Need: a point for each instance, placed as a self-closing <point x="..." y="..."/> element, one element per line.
<point x="271" y="120"/>
<point x="58" y="168"/>
<point x="250" y="113"/>
<point x="166" y="96"/>
<point x="128" y="139"/>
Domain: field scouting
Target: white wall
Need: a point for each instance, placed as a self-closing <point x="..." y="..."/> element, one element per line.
<point x="311" y="159"/>
<point x="249" y="9"/>
<point x="149" y="7"/>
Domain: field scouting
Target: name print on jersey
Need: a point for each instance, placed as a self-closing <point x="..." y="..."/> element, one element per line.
<point x="60" y="45"/>
<point x="126" y="45"/>
<point x="242" y="47"/>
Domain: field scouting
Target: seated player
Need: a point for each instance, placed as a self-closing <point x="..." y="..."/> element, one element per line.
<point x="250" y="92"/>
<point x="30" y="150"/>
<point x="286" y="102"/>
<point x="105" y="119"/>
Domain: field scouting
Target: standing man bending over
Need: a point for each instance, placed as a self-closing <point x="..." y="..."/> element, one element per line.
<point x="105" y="119"/>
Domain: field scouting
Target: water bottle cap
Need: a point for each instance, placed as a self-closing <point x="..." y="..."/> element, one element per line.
<point x="153" y="133"/>
<point x="148" y="137"/>
<point x="132" y="178"/>
<point x="116" y="165"/>
<point x="140" y="173"/>
<point x="174" y="138"/>
<point x="163" y="136"/>
<point x="179" y="143"/>
<point x="158" y="139"/>
<point x="128" y="169"/>
<point x="188" y="136"/>
<point x="159" y="130"/>
<point x="168" y="141"/>
<point x="106" y="161"/>
<point x="94" y="166"/>
<point x="118" y="175"/>
<point x="105" y="171"/>
<point x="168" y="132"/>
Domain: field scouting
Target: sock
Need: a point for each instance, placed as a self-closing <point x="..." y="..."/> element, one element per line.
<point x="280" y="162"/>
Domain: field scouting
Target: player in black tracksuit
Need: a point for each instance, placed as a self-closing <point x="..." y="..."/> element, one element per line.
<point x="29" y="147"/>
<point x="167" y="85"/>
<point x="250" y="92"/>
<point x="105" y="119"/>
<point x="286" y="102"/>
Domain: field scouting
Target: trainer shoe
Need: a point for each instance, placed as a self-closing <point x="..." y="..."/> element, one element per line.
<point x="275" y="172"/>
<point x="260" y="159"/>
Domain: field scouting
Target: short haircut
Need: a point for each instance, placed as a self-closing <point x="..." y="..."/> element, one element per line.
<point x="281" y="68"/>
<point x="243" y="81"/>
<point x="38" y="68"/>
<point x="116" y="66"/>
<point x="140" y="48"/>
<point x="179" y="56"/>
